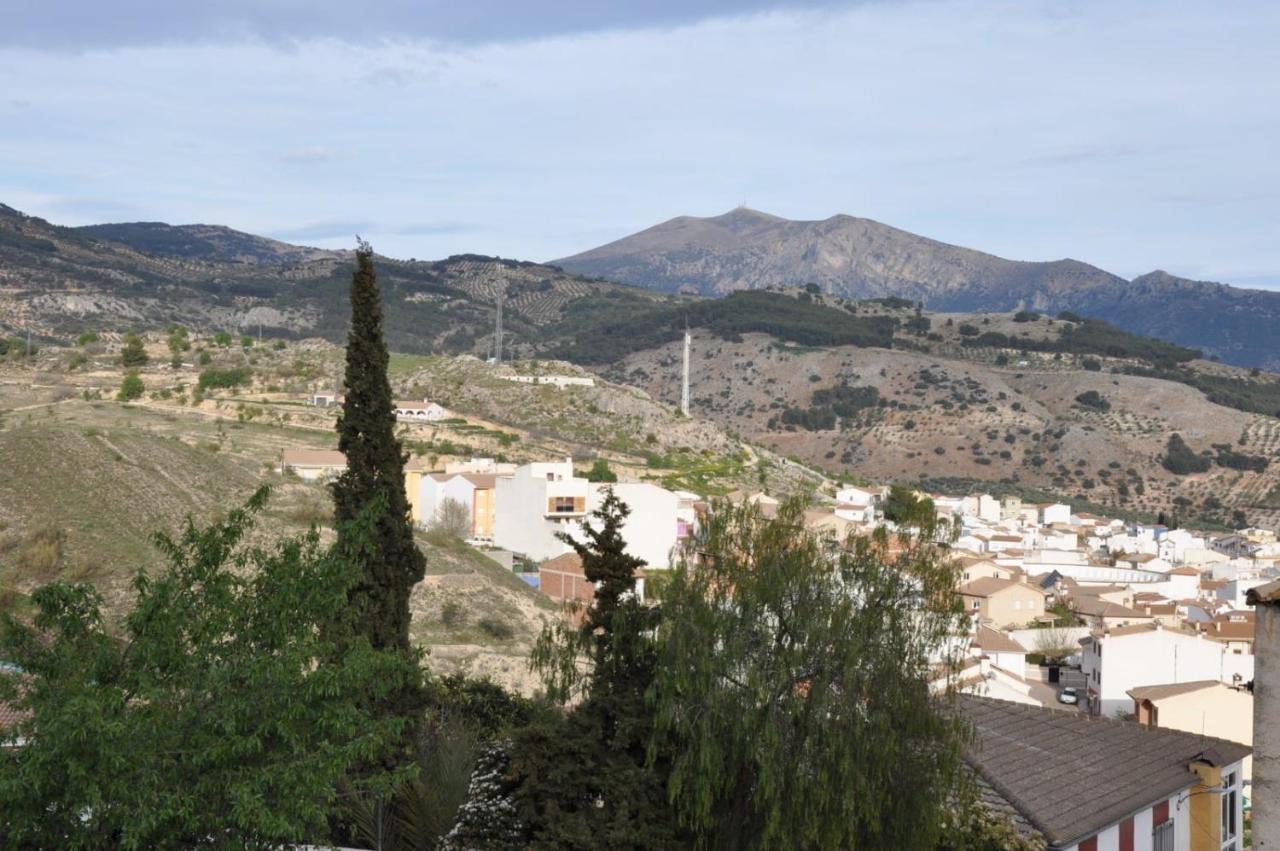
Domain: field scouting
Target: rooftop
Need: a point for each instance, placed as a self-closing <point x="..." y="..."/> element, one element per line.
<point x="1171" y="689"/>
<point x="1071" y="775"/>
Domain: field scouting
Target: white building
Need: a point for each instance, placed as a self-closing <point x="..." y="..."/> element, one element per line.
<point x="542" y="499"/>
<point x="1126" y="658"/>
<point x="422" y="412"/>
<point x="537" y="501"/>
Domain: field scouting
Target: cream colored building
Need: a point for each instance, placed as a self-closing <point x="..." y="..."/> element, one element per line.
<point x="1206" y="708"/>
<point x="1002" y="602"/>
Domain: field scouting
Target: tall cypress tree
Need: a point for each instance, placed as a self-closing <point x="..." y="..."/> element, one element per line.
<point x="375" y="469"/>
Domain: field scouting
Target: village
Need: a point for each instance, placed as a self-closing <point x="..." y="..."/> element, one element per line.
<point x="1112" y="646"/>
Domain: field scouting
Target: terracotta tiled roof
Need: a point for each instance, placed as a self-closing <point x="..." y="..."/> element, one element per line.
<point x="994" y="641"/>
<point x="314" y="458"/>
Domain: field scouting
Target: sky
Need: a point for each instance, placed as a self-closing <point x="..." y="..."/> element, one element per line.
<point x="1131" y="135"/>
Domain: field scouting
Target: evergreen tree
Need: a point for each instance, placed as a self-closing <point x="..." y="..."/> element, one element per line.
<point x="133" y="353"/>
<point x="584" y="780"/>
<point x="375" y="469"/>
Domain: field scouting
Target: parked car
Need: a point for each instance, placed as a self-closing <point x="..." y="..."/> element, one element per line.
<point x="1068" y="695"/>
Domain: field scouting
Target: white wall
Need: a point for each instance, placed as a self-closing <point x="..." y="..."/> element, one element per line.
<point x="520" y="520"/>
<point x="1155" y="658"/>
<point x="650" y="529"/>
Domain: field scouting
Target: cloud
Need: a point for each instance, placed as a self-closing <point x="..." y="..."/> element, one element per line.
<point x="430" y="229"/>
<point x="93" y="24"/>
<point x="322" y="230"/>
<point x="308" y="155"/>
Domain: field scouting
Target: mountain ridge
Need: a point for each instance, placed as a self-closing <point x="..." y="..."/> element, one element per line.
<point x="861" y="258"/>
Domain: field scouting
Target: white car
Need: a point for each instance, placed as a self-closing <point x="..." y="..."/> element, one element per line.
<point x="1068" y="695"/>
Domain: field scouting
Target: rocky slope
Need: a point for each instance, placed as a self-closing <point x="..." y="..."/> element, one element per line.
<point x="860" y="258"/>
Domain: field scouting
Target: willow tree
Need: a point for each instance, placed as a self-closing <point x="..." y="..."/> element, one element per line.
<point x="791" y="687"/>
<point x="375" y="470"/>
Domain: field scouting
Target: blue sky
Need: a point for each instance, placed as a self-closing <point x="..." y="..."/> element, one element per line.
<point x="1132" y="135"/>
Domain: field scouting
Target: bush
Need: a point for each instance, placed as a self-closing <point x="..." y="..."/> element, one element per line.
<point x="1180" y="460"/>
<point x="1026" y="316"/>
<point x="1093" y="399"/>
<point x="601" y="472"/>
<point x="224" y="378"/>
<point x="131" y="388"/>
<point x="1092" y="364"/>
<point x="222" y="339"/>
<point x="86" y="338"/>
<point x="453" y="615"/>
<point x="133" y="353"/>
<point x="496" y="627"/>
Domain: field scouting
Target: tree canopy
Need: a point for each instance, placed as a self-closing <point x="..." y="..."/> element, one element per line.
<point x="227" y="715"/>
<point x="791" y="687"/>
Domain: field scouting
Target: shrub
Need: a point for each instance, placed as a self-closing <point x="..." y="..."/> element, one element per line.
<point x="133" y="353"/>
<point x="222" y="338"/>
<point x="223" y="378"/>
<point x="453" y="615"/>
<point x="1026" y="316"/>
<point x="1093" y="399"/>
<point x="1092" y="364"/>
<point x="496" y="627"/>
<point x="1180" y="460"/>
<point x="86" y="338"/>
<point x="131" y="388"/>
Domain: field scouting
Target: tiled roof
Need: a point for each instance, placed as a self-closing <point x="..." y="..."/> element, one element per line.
<point x="10" y="715"/>
<point x="1170" y="689"/>
<point x="985" y="586"/>
<point x="314" y="458"/>
<point x="1071" y="775"/>
<point x="1269" y="593"/>
<point x="1094" y="607"/>
<point x="995" y="641"/>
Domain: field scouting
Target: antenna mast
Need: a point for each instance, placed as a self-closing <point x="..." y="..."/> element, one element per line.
<point x="684" y="384"/>
<point x="497" y="330"/>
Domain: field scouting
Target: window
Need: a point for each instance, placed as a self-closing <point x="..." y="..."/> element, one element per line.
<point x="1017" y="604"/>
<point x="1162" y="834"/>
<point x="1230" y="815"/>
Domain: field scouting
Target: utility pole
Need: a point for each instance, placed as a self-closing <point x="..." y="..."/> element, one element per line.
<point x="1265" y="601"/>
<point x="684" y="384"/>
<point x="497" y="331"/>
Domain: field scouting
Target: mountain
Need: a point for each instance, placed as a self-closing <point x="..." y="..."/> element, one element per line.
<point x="860" y="258"/>
<point x="204" y="242"/>
<point x="57" y="282"/>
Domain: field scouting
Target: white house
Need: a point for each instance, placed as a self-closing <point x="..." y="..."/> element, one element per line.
<point x="1053" y="512"/>
<point x="1233" y="592"/>
<point x="312" y="465"/>
<point x="1126" y="658"/>
<point x="534" y="503"/>
<point x="424" y="412"/>
<point x="544" y="498"/>
<point x="652" y="529"/>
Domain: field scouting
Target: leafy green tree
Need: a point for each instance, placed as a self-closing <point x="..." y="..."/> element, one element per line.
<point x="228" y="713"/>
<point x="86" y="338"/>
<point x="791" y="687"/>
<point x="601" y="472"/>
<point x="905" y="508"/>
<point x="246" y="342"/>
<point x="133" y="354"/>
<point x="131" y="388"/>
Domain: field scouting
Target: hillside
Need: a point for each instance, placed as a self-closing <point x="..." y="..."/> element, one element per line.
<point x="57" y="282"/>
<point x="1015" y="402"/>
<point x="861" y="258"/>
<point x="87" y="480"/>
